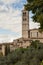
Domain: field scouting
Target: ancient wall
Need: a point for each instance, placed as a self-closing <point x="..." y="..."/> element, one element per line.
<point x="36" y="35"/>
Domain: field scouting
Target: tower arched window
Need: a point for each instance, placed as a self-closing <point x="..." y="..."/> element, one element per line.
<point x="24" y="19"/>
<point x="24" y="13"/>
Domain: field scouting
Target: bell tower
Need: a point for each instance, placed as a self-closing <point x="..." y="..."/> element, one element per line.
<point x="25" y="23"/>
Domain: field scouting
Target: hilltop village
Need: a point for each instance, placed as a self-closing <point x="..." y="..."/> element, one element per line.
<point x="27" y="35"/>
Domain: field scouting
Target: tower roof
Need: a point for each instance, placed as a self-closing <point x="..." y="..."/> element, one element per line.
<point x="24" y="9"/>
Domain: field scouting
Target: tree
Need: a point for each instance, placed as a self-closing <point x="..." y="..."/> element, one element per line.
<point x="42" y="62"/>
<point x="36" y="6"/>
<point x="20" y="63"/>
<point x="33" y="55"/>
<point x="35" y="61"/>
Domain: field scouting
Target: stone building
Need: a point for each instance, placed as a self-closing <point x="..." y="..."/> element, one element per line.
<point x="27" y="35"/>
<point x="5" y="48"/>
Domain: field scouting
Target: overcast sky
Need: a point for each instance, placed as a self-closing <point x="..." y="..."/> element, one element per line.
<point x="11" y="19"/>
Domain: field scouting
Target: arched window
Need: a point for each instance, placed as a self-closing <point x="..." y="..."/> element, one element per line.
<point x="24" y="13"/>
<point x="24" y="19"/>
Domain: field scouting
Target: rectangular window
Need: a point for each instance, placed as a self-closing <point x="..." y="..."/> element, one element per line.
<point x="37" y="34"/>
<point x="28" y="34"/>
<point x="34" y="34"/>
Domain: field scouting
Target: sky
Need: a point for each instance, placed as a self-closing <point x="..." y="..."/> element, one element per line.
<point x="11" y="20"/>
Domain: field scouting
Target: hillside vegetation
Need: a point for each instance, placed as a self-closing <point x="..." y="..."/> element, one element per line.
<point x="32" y="55"/>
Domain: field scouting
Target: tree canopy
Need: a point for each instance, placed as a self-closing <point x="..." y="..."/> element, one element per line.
<point x="36" y="6"/>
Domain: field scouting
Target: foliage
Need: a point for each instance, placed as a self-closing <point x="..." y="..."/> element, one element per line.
<point x="7" y="49"/>
<point x="33" y="55"/>
<point x="36" y="6"/>
<point x="42" y="62"/>
<point x="1" y="54"/>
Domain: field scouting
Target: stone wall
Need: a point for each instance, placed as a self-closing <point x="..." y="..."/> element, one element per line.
<point x="36" y="35"/>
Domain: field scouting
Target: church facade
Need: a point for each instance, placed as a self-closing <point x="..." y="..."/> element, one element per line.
<point x="27" y="35"/>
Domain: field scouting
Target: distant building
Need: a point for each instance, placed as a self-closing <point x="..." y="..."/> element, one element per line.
<point x="27" y="35"/>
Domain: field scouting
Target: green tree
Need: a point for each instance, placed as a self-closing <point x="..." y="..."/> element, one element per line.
<point x="35" y="61"/>
<point x="1" y="54"/>
<point x="33" y="55"/>
<point x="41" y="63"/>
<point x="36" y="6"/>
<point x="20" y="63"/>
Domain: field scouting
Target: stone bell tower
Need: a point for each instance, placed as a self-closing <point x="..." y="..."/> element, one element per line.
<point x="25" y="23"/>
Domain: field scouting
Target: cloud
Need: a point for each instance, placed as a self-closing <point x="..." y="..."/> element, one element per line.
<point x="7" y="38"/>
<point x="10" y="19"/>
<point x="3" y="8"/>
<point x="32" y="25"/>
<point x="10" y="1"/>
